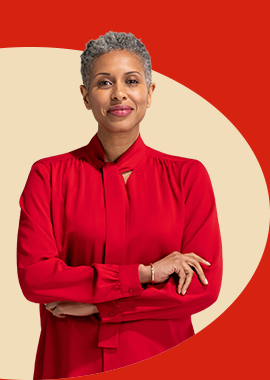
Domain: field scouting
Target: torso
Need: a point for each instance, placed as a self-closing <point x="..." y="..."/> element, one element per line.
<point x="154" y="213"/>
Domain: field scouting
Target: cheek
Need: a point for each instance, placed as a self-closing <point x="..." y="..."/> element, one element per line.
<point x="98" y="104"/>
<point x="140" y="98"/>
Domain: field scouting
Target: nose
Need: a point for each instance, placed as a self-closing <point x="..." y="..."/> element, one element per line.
<point x="119" y="92"/>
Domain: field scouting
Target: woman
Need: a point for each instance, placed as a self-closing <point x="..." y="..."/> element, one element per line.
<point x="110" y="234"/>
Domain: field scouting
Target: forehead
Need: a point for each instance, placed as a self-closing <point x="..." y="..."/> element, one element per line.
<point x="117" y="61"/>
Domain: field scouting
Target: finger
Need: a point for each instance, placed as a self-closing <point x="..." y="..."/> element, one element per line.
<point x="52" y="305"/>
<point x="60" y="315"/>
<point x="64" y="309"/>
<point x="182" y="279"/>
<point x="57" y="312"/>
<point x="199" y="271"/>
<point x="193" y="255"/>
<point x="188" y="281"/>
<point x="195" y="264"/>
<point x="200" y="259"/>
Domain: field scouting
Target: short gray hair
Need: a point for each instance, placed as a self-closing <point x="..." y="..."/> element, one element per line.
<point x="114" y="41"/>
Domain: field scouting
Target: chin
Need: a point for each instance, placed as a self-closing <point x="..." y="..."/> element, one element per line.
<point x="120" y="127"/>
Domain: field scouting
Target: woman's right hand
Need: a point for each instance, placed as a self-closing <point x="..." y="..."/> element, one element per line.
<point x="178" y="263"/>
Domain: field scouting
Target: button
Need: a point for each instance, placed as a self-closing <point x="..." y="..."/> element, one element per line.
<point x="110" y="313"/>
<point x="131" y="291"/>
<point x="117" y="287"/>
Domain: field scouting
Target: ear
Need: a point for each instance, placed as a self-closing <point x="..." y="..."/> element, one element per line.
<point x="84" y="93"/>
<point x="150" y="92"/>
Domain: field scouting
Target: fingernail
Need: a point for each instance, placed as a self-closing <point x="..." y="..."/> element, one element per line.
<point x="184" y="292"/>
<point x="207" y="262"/>
<point x="205" y="281"/>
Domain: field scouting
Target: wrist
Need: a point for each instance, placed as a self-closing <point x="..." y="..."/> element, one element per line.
<point x="145" y="274"/>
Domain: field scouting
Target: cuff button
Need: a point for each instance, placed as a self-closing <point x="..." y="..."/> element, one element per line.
<point x="131" y="291"/>
<point x="110" y="313"/>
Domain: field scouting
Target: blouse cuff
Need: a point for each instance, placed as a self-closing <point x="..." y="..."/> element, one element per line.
<point x="129" y="285"/>
<point x="130" y="280"/>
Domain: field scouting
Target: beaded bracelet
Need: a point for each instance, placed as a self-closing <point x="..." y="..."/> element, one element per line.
<point x="152" y="274"/>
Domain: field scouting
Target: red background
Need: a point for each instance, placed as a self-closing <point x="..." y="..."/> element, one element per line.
<point x="220" y="50"/>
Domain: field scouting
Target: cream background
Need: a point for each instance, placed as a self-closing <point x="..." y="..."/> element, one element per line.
<point x="42" y="114"/>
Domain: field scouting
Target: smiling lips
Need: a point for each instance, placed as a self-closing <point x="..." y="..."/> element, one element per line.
<point x="120" y="110"/>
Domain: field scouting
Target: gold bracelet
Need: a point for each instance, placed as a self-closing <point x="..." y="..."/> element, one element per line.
<point x="152" y="274"/>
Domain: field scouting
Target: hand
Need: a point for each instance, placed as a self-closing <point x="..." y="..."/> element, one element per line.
<point x="176" y="263"/>
<point x="61" y="309"/>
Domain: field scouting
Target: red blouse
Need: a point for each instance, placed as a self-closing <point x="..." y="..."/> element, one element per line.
<point x="83" y="233"/>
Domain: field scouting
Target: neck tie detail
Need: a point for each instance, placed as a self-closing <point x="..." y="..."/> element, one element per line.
<point x="126" y="162"/>
<point x="116" y="204"/>
<point x="116" y="208"/>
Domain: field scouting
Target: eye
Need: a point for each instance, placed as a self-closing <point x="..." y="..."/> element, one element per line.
<point x="104" y="83"/>
<point x="133" y="81"/>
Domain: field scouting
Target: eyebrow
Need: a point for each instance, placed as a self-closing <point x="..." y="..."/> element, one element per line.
<point x="129" y="72"/>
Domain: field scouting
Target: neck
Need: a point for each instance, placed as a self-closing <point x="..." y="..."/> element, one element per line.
<point x="116" y="143"/>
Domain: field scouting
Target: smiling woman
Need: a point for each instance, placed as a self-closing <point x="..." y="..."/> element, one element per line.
<point x="112" y="82"/>
<point x="111" y="260"/>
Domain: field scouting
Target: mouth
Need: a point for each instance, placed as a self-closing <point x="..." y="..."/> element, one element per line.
<point x="120" y="110"/>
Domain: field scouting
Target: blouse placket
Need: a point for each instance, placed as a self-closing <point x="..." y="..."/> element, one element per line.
<point x="116" y="209"/>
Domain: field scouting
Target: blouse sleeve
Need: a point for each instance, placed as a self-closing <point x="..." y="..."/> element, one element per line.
<point x="44" y="277"/>
<point x="201" y="235"/>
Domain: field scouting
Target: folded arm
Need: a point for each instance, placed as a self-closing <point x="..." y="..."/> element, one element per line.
<point x="44" y="277"/>
<point x="201" y="235"/>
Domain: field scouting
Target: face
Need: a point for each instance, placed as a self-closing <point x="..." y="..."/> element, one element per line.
<point x="118" y="95"/>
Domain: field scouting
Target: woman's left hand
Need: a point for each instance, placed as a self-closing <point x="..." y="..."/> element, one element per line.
<point x="61" y="309"/>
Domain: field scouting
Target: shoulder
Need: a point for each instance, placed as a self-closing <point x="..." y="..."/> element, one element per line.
<point x="166" y="157"/>
<point x="49" y="162"/>
<point x="195" y="170"/>
<point x="195" y="180"/>
<point x="190" y="172"/>
<point x="188" y="166"/>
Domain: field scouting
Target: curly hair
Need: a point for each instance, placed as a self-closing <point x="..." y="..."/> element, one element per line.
<point x="114" y="41"/>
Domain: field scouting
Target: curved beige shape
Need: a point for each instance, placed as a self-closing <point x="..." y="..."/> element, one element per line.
<point x="42" y="114"/>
